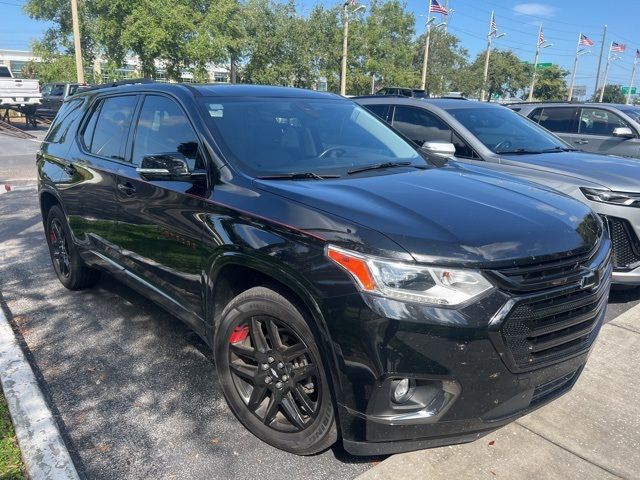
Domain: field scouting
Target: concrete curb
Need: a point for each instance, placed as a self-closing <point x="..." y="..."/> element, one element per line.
<point x="43" y="450"/>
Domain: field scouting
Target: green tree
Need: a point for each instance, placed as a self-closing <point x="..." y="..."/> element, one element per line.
<point x="507" y="74"/>
<point x="447" y="59"/>
<point x="52" y="67"/>
<point x="612" y="94"/>
<point x="550" y="84"/>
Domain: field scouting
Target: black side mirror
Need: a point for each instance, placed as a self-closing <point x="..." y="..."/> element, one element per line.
<point x="164" y="166"/>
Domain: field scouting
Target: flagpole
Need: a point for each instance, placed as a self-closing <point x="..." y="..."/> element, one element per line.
<point x="425" y="60"/>
<point x="486" y="61"/>
<point x="535" y="65"/>
<point x="606" y="75"/>
<point x="633" y="78"/>
<point x="575" y="67"/>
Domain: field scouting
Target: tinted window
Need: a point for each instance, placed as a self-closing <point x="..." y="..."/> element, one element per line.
<point x="559" y="119"/>
<point x="69" y="111"/>
<point x="420" y="125"/>
<point x="504" y="131"/>
<point x="164" y="128"/>
<point x="57" y="90"/>
<point x="4" y="72"/>
<point x="73" y="89"/>
<point x="419" y="94"/>
<point x="379" y="110"/>
<point x="282" y="135"/>
<point x="595" y="121"/>
<point x="634" y="113"/>
<point x="112" y="127"/>
<point x="46" y="90"/>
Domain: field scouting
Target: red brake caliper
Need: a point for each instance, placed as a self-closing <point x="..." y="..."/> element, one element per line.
<point x="52" y="236"/>
<point x="239" y="334"/>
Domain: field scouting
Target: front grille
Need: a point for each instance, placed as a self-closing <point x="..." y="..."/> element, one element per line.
<point x="547" y="328"/>
<point x="546" y="274"/>
<point x="625" y="245"/>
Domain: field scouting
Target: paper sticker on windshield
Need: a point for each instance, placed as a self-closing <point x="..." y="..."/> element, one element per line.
<point x="216" y="110"/>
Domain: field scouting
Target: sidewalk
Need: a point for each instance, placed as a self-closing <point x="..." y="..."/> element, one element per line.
<point x="592" y="432"/>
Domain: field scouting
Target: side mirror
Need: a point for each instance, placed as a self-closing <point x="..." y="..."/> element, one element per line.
<point x="623" y="132"/>
<point x="442" y="149"/>
<point x="164" y="166"/>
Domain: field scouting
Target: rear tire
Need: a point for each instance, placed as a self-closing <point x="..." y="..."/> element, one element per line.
<point x="271" y="372"/>
<point x="67" y="263"/>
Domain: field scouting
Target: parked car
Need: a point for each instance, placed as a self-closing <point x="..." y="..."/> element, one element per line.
<point x="53" y="94"/>
<point x="495" y="137"/>
<point x="609" y="129"/>
<point x="344" y="282"/>
<point x="16" y="92"/>
<point x="403" y="92"/>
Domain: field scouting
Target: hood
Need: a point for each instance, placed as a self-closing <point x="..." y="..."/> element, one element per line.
<point x="453" y="215"/>
<point x="616" y="173"/>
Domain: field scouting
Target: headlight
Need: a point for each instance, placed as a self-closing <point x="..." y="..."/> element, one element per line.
<point x="611" y="197"/>
<point x="410" y="283"/>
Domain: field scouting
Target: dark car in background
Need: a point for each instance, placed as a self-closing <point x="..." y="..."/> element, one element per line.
<point x="346" y="282"/>
<point x="402" y="92"/>
<point x="497" y="138"/>
<point x="53" y="95"/>
<point x="609" y="129"/>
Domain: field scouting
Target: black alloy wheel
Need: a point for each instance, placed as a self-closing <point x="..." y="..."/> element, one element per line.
<point x="67" y="263"/>
<point x="271" y="372"/>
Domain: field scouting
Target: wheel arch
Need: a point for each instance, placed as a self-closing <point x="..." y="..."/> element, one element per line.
<point x="233" y="273"/>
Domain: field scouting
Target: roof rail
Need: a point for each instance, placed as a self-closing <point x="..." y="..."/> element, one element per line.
<point x="523" y="102"/>
<point x="130" y="81"/>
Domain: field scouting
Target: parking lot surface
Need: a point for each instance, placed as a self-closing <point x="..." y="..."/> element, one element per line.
<point x="134" y="390"/>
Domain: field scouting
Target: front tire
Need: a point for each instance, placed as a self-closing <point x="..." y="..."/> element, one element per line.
<point x="272" y="374"/>
<point x="67" y="263"/>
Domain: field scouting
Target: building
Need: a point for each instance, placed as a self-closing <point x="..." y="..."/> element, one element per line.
<point x="16" y="59"/>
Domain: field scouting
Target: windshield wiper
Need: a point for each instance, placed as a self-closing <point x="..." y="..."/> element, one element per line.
<point x="378" y="166"/>
<point x="296" y="176"/>
<point x="520" y="151"/>
<point x="559" y="149"/>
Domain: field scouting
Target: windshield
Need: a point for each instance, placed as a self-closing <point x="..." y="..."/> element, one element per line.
<point x="270" y="136"/>
<point x="505" y="131"/>
<point x="634" y="113"/>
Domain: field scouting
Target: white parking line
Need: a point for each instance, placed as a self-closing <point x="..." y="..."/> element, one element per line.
<point x="43" y="450"/>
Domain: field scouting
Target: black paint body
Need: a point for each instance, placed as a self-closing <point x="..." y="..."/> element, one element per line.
<point x="193" y="247"/>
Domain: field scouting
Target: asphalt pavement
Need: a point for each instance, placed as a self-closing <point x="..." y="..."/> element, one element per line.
<point x="134" y="391"/>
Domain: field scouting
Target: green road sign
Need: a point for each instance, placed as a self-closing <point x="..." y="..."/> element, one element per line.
<point x="625" y="90"/>
<point x="543" y="65"/>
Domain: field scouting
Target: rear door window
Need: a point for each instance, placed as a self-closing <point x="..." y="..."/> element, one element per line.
<point x="596" y="121"/>
<point x="556" y="119"/>
<point x="111" y="127"/>
<point x="378" y="110"/>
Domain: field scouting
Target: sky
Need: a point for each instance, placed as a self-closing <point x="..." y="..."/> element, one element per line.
<point x="562" y="21"/>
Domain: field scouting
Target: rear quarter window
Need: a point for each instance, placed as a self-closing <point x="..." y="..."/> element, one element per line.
<point x="61" y="131"/>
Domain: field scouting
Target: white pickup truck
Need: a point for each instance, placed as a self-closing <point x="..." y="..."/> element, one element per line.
<point x="15" y="92"/>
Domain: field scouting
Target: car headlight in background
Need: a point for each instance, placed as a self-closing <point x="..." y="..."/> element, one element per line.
<point x="614" y="198"/>
<point x="410" y="283"/>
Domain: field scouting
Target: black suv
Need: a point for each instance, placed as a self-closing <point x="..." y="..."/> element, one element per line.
<point x="346" y="284"/>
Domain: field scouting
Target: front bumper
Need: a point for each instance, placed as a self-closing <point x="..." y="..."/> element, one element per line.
<point x="478" y="348"/>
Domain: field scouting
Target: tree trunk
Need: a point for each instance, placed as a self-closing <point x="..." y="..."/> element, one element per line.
<point x="233" y="68"/>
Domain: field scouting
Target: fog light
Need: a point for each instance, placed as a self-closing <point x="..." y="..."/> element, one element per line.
<point x="401" y="390"/>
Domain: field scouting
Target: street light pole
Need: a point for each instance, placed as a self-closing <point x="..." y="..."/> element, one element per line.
<point x="575" y="67"/>
<point x="485" y="75"/>
<point x="76" y="41"/>
<point x="535" y="65"/>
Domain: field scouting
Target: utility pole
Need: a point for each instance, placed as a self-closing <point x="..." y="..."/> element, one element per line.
<point x="345" y="43"/>
<point x="446" y="18"/>
<point x="606" y="76"/>
<point x="425" y="60"/>
<point x="633" y="78"/>
<point x="604" y="39"/>
<point x="76" y="41"/>
<point x="535" y="65"/>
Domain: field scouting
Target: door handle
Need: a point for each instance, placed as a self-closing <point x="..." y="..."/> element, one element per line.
<point x="582" y="141"/>
<point x="127" y="188"/>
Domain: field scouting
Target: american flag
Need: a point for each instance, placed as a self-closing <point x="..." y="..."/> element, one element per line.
<point x="540" y="37"/>
<point x="618" y="47"/>
<point x="435" y="7"/>
<point x="586" y="41"/>
<point x="493" y="29"/>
